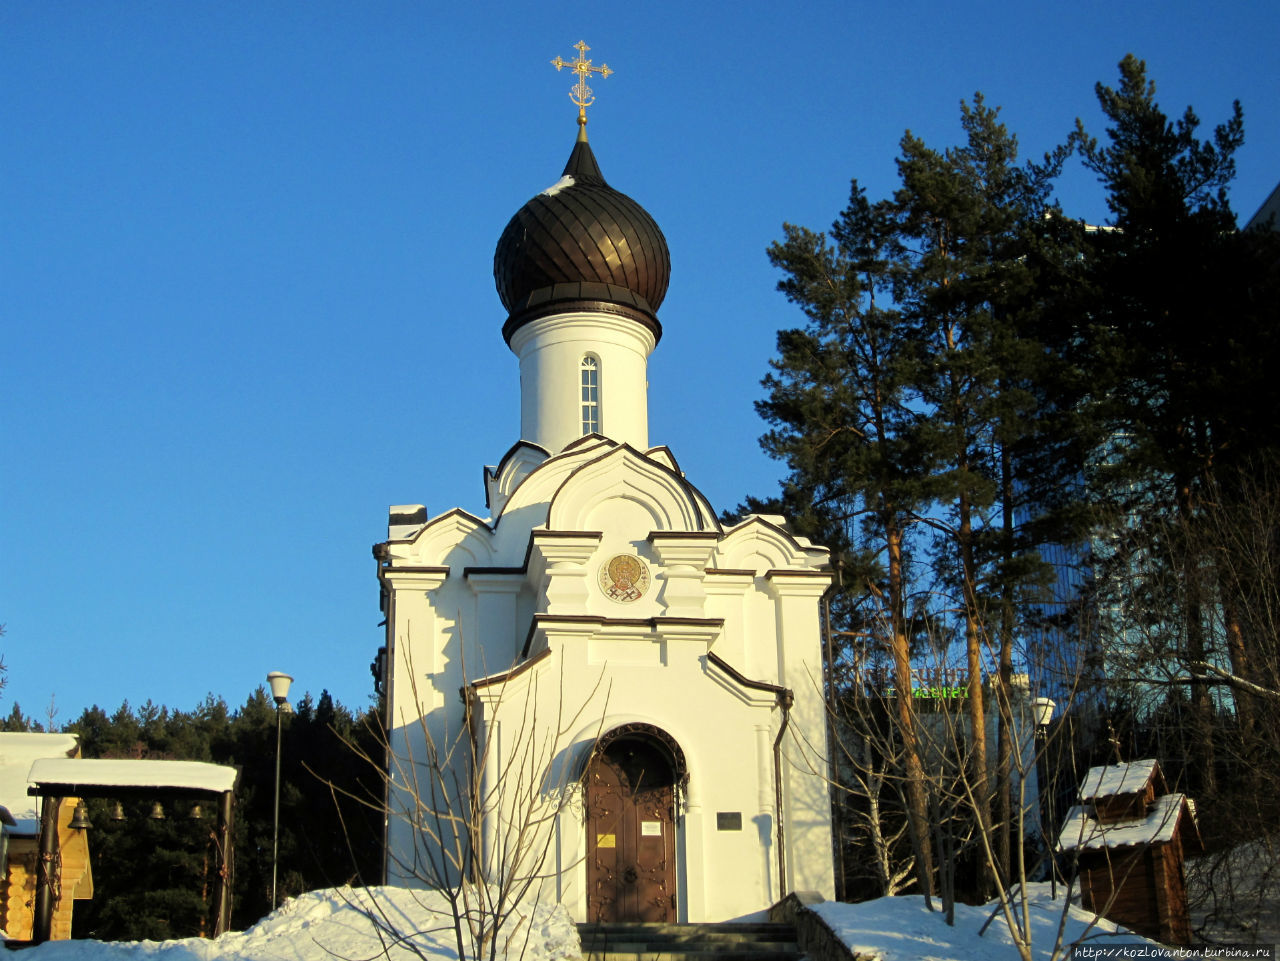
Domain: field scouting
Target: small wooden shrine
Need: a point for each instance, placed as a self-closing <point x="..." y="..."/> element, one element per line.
<point x="20" y="826"/>
<point x="1129" y="834"/>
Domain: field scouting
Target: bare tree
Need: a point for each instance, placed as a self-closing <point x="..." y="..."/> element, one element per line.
<point x="478" y="807"/>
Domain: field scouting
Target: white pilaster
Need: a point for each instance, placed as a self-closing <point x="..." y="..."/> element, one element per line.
<point x="557" y="565"/>
<point x="684" y="560"/>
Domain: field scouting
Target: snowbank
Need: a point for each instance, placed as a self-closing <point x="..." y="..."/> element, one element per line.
<point x="338" y="923"/>
<point x="903" y="929"/>
<point x="346" y="924"/>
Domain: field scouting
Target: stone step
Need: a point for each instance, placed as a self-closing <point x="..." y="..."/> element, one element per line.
<point x="642" y="937"/>
<point x="711" y="941"/>
<point x="684" y="954"/>
<point x="774" y="949"/>
<point x="747" y="930"/>
<point x="731" y="941"/>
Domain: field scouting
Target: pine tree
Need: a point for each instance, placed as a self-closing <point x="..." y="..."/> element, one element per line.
<point x="914" y="400"/>
<point x="976" y="225"/>
<point x="840" y="413"/>
<point x="1170" y="315"/>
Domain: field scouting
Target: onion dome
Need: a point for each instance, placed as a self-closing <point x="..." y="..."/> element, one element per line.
<point x="581" y="245"/>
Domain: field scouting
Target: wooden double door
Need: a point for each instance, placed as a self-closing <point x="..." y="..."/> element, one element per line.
<point x="631" y="845"/>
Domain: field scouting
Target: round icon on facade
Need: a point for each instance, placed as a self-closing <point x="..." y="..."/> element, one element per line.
<point x="624" y="578"/>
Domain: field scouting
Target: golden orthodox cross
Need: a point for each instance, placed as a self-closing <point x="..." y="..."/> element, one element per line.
<point x="581" y="94"/>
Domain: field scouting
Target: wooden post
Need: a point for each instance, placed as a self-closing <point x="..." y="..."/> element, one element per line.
<point x="46" y="870"/>
<point x="222" y="882"/>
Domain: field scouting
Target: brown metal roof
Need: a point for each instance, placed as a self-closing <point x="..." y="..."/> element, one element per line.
<point x="581" y="243"/>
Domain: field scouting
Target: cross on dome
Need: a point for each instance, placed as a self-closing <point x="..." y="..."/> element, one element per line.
<point x="580" y="93"/>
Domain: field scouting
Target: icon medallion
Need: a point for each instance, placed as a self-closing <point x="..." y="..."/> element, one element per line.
<point x="624" y="578"/>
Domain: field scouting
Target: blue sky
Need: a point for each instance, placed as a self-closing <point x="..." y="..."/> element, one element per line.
<point x="246" y="293"/>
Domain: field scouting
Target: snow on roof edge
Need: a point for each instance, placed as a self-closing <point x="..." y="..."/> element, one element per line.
<point x="1109" y="780"/>
<point x="1080" y="831"/>
<point x="123" y="773"/>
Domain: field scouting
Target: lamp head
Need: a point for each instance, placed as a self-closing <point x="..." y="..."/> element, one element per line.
<point x="279" y="682"/>
<point x="1043" y="708"/>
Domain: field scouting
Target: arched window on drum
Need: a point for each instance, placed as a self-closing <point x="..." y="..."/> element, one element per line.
<point x="590" y="376"/>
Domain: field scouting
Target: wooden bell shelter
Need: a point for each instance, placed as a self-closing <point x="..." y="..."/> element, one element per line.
<point x="1130" y="834"/>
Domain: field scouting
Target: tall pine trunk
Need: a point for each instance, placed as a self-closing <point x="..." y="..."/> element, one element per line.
<point x="978" y="773"/>
<point x="917" y="788"/>
<point x="1004" y="682"/>
<point x="1202" y="750"/>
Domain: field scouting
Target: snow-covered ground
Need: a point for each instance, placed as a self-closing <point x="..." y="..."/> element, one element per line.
<point x="346" y="924"/>
<point x="1235" y="895"/>
<point x="338" y="924"/>
<point x="903" y="929"/>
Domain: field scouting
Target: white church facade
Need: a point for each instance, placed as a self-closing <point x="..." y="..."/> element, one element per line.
<point x="600" y="688"/>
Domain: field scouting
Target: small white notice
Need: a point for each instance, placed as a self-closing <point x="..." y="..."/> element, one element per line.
<point x="651" y="829"/>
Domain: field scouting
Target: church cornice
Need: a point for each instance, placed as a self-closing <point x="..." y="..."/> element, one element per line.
<point x="505" y="676"/>
<point x="493" y="571"/>
<point x="576" y="298"/>
<point x="416" y="571"/>
<point x="656" y="536"/>
<point x="742" y="679"/>
<point x="657" y="624"/>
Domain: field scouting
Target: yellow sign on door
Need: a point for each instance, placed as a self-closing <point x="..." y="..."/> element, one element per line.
<point x="605" y="841"/>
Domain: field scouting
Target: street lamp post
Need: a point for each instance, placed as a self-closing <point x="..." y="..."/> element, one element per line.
<point x="279" y="682"/>
<point x="1043" y="709"/>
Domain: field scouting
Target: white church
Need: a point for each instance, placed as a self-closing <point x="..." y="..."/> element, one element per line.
<point x="600" y="689"/>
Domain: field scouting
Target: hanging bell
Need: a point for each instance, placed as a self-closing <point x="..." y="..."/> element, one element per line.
<point x="80" y="818"/>
<point x="117" y="812"/>
<point x="157" y="812"/>
<point x="196" y="814"/>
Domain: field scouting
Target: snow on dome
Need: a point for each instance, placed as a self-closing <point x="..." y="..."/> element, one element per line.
<point x="559" y="185"/>
<point x="578" y="244"/>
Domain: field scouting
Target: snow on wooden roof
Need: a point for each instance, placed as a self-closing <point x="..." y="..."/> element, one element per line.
<point x="86" y="777"/>
<point x="17" y="752"/>
<point x="1081" y="831"/>
<point x="1109" y="780"/>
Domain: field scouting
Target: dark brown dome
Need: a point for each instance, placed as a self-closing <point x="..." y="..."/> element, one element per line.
<point x="580" y="242"/>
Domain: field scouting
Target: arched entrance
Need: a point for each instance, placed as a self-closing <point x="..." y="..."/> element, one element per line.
<point x="631" y="781"/>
